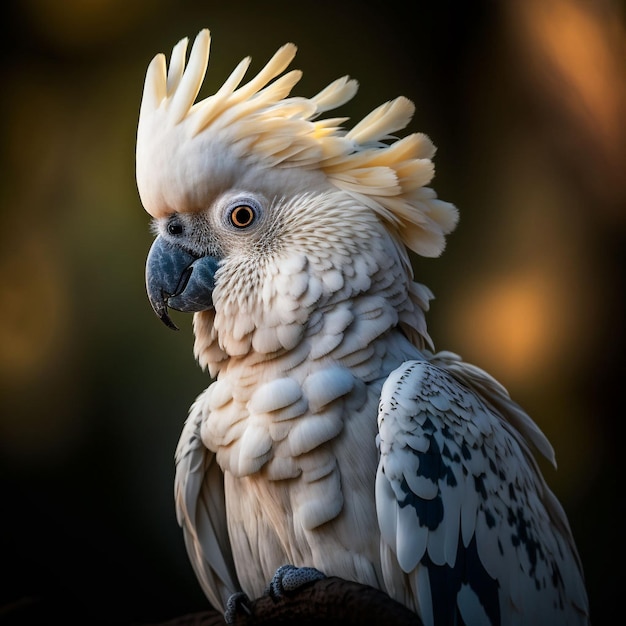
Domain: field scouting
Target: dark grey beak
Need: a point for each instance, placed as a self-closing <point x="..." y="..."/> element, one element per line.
<point x="179" y="280"/>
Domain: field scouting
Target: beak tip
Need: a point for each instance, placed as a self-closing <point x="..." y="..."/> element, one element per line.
<point x="159" y="306"/>
<point x="167" y="320"/>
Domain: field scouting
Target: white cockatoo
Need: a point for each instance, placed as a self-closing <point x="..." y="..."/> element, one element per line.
<point x="332" y="437"/>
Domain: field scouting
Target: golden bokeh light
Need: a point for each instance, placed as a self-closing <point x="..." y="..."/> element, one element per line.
<point x="574" y="53"/>
<point x="33" y="313"/>
<point x="515" y="323"/>
<point x="75" y="24"/>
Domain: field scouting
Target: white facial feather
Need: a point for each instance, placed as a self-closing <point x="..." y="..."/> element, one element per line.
<point x="303" y="254"/>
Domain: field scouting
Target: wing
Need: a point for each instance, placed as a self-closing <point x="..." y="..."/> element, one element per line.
<point x="468" y="525"/>
<point x="200" y="508"/>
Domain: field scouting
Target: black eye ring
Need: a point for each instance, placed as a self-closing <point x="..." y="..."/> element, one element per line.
<point x="242" y="216"/>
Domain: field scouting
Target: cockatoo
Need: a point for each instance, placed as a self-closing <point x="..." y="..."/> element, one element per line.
<point x="333" y="437"/>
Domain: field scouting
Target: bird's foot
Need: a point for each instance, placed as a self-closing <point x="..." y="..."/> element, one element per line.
<point x="236" y="604"/>
<point x="289" y="578"/>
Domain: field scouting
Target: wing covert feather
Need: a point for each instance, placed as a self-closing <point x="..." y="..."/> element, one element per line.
<point x="463" y="507"/>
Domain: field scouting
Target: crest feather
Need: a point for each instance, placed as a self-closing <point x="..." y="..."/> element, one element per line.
<point x="260" y="123"/>
<point x="337" y="93"/>
<point x="382" y="121"/>
<point x="186" y="87"/>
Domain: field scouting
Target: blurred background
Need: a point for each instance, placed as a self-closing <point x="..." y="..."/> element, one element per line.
<point x="526" y="101"/>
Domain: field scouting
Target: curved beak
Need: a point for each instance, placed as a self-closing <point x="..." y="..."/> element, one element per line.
<point x="179" y="280"/>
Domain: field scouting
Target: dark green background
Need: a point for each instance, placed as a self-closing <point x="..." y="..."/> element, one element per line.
<point x="525" y="102"/>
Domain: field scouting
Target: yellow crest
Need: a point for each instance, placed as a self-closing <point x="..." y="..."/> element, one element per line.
<point x="260" y="121"/>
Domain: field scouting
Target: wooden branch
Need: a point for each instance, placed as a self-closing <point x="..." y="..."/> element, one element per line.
<point x="325" y="602"/>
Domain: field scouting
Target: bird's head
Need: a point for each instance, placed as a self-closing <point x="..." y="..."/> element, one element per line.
<point x="261" y="208"/>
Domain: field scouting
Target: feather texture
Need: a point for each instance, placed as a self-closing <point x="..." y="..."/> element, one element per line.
<point x="470" y="468"/>
<point x="331" y="435"/>
<point x="260" y="123"/>
<point x="199" y="493"/>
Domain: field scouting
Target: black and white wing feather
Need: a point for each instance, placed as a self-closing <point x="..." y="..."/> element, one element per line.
<point x="468" y="525"/>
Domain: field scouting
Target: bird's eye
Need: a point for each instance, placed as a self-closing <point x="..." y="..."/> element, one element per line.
<point x="175" y="228"/>
<point x="242" y="216"/>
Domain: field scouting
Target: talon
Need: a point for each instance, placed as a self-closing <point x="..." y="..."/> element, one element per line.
<point x="289" y="578"/>
<point x="236" y="604"/>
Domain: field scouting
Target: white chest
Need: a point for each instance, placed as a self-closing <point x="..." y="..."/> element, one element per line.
<point x="324" y="516"/>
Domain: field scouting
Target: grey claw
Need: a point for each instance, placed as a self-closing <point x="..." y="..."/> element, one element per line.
<point x="238" y="602"/>
<point x="289" y="578"/>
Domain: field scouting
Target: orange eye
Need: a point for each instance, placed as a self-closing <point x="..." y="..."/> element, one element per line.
<point x="242" y="216"/>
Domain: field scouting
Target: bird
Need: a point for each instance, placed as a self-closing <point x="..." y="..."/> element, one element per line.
<point x="332" y="438"/>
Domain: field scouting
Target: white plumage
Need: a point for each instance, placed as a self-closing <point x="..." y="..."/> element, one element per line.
<point x="332" y="436"/>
